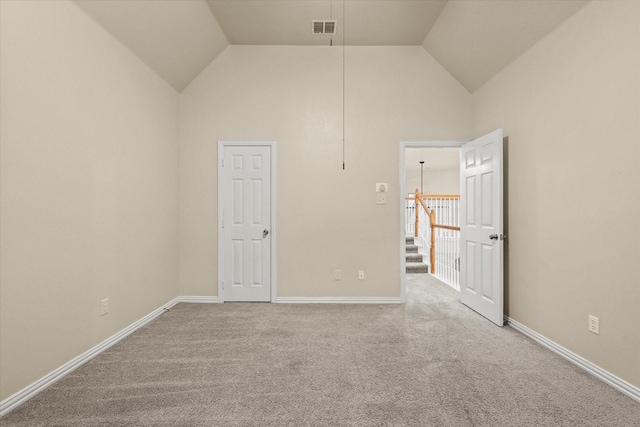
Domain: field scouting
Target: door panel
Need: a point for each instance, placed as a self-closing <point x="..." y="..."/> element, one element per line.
<point x="482" y="257"/>
<point x="470" y="265"/>
<point x="246" y="224"/>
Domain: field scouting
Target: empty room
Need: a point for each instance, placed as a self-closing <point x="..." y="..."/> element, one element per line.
<point x="205" y="217"/>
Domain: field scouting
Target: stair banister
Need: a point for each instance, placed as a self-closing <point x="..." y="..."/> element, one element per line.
<point x="444" y="207"/>
<point x="417" y="197"/>
<point x="432" y="224"/>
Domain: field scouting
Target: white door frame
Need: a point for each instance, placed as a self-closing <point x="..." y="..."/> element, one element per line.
<point x="273" y="233"/>
<point x="403" y="226"/>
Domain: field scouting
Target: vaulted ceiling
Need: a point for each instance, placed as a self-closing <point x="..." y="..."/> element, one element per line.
<point x="472" y="39"/>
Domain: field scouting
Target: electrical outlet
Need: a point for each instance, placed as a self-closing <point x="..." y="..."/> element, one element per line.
<point x="104" y="306"/>
<point x="337" y="275"/>
<point x="361" y="275"/>
<point x="594" y="324"/>
<point x="381" y="198"/>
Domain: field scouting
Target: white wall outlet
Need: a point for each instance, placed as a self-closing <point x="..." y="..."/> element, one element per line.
<point x="337" y="275"/>
<point x="104" y="306"/>
<point x="594" y="324"/>
<point x="381" y="198"/>
<point x="361" y="275"/>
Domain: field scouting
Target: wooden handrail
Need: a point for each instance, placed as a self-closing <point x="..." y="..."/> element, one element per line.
<point x="419" y="199"/>
<point x="436" y="196"/>
<point x="448" y="227"/>
<point x="440" y="196"/>
<point x="432" y="224"/>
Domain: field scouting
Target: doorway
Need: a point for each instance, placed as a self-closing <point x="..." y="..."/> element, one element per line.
<point x="481" y="226"/>
<point x="438" y="176"/>
<point x="433" y="174"/>
<point x="246" y="221"/>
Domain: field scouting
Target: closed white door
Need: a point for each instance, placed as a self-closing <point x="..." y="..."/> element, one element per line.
<point x="481" y="226"/>
<point x="246" y="223"/>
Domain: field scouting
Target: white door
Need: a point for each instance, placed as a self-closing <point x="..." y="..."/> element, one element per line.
<point x="246" y="223"/>
<point x="481" y="232"/>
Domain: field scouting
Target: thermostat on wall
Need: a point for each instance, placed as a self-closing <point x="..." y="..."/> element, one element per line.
<point x="382" y="187"/>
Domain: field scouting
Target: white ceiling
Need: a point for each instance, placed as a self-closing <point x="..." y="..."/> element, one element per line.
<point x="288" y="22"/>
<point x="472" y="39"/>
<point x="176" y="38"/>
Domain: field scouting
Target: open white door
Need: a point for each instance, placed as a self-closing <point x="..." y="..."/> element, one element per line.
<point x="245" y="189"/>
<point x="481" y="228"/>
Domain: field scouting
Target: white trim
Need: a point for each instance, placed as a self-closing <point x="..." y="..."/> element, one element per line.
<point x="198" y="299"/>
<point x="615" y="382"/>
<point x="273" y="233"/>
<point x="403" y="226"/>
<point x="339" y="300"/>
<point x="220" y="218"/>
<point x="28" y="392"/>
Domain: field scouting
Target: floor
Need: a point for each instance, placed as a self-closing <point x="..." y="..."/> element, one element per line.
<point x="430" y="362"/>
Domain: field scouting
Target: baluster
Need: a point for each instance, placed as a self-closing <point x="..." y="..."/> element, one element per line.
<point x="432" y="252"/>
<point x="448" y="258"/>
<point x="451" y="213"/>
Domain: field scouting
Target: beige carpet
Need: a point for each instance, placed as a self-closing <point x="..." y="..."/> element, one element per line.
<point x="431" y="362"/>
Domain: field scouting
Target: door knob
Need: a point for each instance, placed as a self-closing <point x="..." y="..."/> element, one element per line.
<point x="493" y="236"/>
<point x="264" y="233"/>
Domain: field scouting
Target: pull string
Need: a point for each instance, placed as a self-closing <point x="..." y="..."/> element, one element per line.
<point x="331" y="18"/>
<point x="343" y="75"/>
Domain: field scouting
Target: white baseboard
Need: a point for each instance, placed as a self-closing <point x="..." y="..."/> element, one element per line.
<point x="615" y="382"/>
<point x="21" y="396"/>
<point x="196" y="299"/>
<point x="339" y="300"/>
<point x="28" y="392"/>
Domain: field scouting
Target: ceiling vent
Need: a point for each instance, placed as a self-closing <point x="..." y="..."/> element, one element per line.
<point x="323" y="27"/>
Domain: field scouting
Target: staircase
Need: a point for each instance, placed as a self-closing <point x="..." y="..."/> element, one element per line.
<point x="414" y="259"/>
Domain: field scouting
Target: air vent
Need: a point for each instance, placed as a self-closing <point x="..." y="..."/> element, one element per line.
<point x="323" y="27"/>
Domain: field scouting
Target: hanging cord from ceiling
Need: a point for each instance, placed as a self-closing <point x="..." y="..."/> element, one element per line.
<point x="331" y="18"/>
<point x="343" y="69"/>
<point x="343" y="74"/>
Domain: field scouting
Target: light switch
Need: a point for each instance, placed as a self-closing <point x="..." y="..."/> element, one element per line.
<point x="382" y="187"/>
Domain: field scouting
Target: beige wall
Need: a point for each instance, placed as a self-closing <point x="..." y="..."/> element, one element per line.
<point x="442" y="181"/>
<point x="88" y="188"/>
<point x="571" y="109"/>
<point x="327" y="218"/>
<point x="89" y="181"/>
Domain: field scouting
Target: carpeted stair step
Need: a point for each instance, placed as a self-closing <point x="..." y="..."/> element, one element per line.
<point x="417" y="267"/>
<point x="414" y="257"/>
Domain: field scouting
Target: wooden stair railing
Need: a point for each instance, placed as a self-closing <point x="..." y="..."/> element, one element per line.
<point x="432" y="223"/>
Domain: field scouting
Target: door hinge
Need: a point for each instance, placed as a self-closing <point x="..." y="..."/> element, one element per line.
<point x="223" y="223"/>
<point x="222" y="162"/>
<point x="223" y="285"/>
